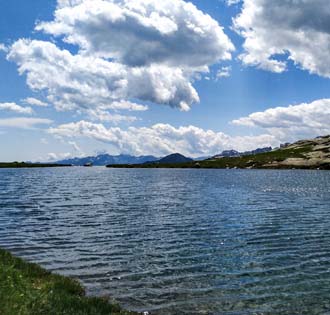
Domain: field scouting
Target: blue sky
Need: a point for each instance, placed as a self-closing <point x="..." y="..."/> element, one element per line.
<point x="253" y="102"/>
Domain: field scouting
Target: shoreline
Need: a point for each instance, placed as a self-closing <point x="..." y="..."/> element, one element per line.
<point x="28" y="289"/>
<point x="30" y="165"/>
<point x="292" y="157"/>
<point x="215" y="167"/>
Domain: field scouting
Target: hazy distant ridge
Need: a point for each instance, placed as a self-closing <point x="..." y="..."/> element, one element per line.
<point x="105" y="159"/>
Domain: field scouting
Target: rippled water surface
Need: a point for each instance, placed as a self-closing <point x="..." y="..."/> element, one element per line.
<point x="177" y="241"/>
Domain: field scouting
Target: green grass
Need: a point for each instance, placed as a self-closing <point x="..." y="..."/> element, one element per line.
<point x="28" y="289"/>
<point x="257" y="160"/>
<point x="29" y="165"/>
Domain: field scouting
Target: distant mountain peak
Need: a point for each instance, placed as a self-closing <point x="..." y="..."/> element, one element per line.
<point x="234" y="153"/>
<point x="105" y="159"/>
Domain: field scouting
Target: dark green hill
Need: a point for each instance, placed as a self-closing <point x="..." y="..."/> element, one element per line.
<point x="174" y="158"/>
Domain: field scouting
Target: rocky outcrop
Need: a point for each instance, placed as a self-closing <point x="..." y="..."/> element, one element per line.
<point x="311" y="153"/>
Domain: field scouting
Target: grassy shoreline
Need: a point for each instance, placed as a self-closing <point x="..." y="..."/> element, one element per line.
<point x="28" y="289"/>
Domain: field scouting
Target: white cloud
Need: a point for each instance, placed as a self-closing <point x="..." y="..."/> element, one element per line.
<point x="232" y="2"/>
<point x="224" y="72"/>
<point x="299" y="30"/>
<point x="75" y="146"/>
<point x="53" y="157"/>
<point x="24" y="122"/>
<point x="292" y="122"/>
<point x="78" y="152"/>
<point x="79" y="82"/>
<point x="141" y="32"/>
<point x="35" y="102"/>
<point x="277" y="125"/>
<point x="103" y="115"/>
<point x="126" y="105"/>
<point x="145" y="50"/>
<point x="13" y="107"/>
<point x="3" y="48"/>
<point x="162" y="139"/>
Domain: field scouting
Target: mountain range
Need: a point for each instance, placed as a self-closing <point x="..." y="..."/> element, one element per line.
<point x="303" y="154"/>
<point x="234" y="153"/>
<point x="105" y="159"/>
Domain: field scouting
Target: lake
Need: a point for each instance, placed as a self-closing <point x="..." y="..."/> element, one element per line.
<point x="175" y="241"/>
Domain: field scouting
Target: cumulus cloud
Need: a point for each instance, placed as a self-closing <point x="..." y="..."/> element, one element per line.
<point x="13" y="107"/>
<point x="149" y="51"/>
<point x="275" y="31"/>
<point x="161" y="139"/>
<point x="24" y="122"/>
<point x="292" y="122"/>
<point x="141" y="32"/>
<point x="80" y="82"/>
<point x="34" y="102"/>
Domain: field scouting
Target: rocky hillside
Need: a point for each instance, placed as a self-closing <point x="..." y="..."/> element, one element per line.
<point x="314" y="153"/>
<point x="307" y="154"/>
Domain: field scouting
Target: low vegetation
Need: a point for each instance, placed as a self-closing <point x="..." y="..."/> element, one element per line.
<point x="27" y="289"/>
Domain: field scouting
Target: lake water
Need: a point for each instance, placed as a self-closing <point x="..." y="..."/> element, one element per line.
<point x="177" y="241"/>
